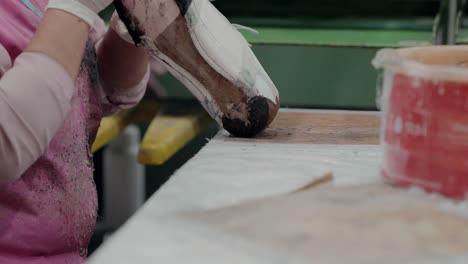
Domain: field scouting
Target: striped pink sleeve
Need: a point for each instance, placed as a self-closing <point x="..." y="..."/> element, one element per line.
<point x="35" y="97"/>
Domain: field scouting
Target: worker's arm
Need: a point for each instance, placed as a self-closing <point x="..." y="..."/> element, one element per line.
<point x="54" y="39"/>
<point x="124" y="70"/>
<point x="36" y="91"/>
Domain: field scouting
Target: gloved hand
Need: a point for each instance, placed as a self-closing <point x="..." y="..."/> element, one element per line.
<point x="87" y="10"/>
<point x="119" y="27"/>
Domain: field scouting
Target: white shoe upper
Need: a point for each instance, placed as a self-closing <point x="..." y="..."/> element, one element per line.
<point x="226" y="50"/>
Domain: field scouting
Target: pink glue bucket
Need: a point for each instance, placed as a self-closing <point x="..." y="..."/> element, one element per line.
<point x="423" y="94"/>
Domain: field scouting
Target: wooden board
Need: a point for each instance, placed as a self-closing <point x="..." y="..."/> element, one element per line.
<point x="331" y="127"/>
<point x="355" y="225"/>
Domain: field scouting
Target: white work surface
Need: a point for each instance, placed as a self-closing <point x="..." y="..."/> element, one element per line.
<point x="227" y="172"/>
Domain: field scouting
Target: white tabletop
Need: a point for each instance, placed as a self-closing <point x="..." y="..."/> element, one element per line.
<point x="209" y="211"/>
<point x="224" y="173"/>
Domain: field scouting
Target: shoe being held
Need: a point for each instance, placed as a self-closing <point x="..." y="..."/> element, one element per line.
<point x="204" y="51"/>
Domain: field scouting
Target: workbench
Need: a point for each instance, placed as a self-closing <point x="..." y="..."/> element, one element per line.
<point x="239" y="201"/>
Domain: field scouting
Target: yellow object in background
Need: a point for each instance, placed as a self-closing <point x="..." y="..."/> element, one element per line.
<point x="169" y="134"/>
<point x="110" y="129"/>
<point x="112" y="126"/>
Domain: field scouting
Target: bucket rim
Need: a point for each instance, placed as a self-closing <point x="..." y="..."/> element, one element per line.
<point x="398" y="61"/>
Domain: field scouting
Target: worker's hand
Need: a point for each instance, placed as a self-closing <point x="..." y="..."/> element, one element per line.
<point x="119" y="27"/>
<point x="87" y="10"/>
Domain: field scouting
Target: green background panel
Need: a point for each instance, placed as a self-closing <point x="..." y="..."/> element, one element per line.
<point x="339" y="37"/>
<point x="322" y="77"/>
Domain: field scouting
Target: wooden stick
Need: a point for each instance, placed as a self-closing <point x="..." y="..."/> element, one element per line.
<point x="322" y="180"/>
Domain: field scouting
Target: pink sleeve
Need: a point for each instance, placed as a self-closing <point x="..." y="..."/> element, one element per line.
<point x="35" y="97"/>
